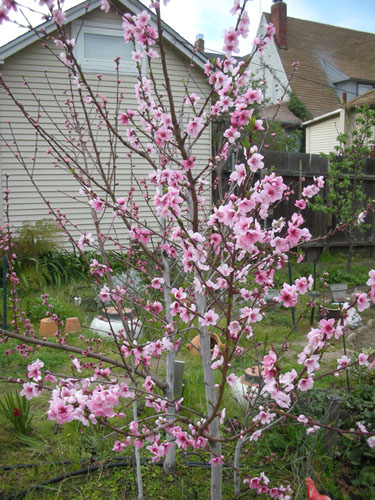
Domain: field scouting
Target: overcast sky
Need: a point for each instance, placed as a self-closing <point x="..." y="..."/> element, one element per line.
<point x="211" y="17"/>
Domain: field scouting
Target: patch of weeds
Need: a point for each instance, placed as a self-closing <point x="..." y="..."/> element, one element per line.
<point x="15" y="409"/>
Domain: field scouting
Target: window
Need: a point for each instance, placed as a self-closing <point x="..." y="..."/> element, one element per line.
<point x="97" y="46"/>
<point x="364" y="87"/>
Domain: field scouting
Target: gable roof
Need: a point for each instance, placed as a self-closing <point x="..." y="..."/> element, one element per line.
<point x="316" y="46"/>
<point x="80" y="10"/>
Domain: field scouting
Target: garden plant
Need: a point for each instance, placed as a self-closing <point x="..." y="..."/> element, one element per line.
<point x="187" y="268"/>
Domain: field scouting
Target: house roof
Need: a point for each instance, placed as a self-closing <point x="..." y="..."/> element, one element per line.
<point x="282" y="113"/>
<point x="78" y="11"/>
<point x="316" y="45"/>
<point x="321" y="118"/>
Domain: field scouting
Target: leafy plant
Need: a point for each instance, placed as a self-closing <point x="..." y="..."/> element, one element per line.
<point x="345" y="197"/>
<point x="35" y="240"/>
<point x="297" y="107"/>
<point x="35" y="309"/>
<point x="361" y="373"/>
<point x="16" y="409"/>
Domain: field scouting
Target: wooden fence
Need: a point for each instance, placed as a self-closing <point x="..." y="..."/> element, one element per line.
<point x="298" y="170"/>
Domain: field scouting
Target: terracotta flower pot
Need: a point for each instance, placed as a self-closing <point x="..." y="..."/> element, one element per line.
<point x="194" y="347"/>
<point x="72" y="325"/>
<point x="48" y="327"/>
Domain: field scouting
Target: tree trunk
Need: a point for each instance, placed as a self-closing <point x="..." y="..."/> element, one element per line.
<point x="137" y="456"/>
<point x="209" y="385"/>
<point x="170" y="459"/>
<point x="236" y="465"/>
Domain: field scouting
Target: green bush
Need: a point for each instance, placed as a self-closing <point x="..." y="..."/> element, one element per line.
<point x="35" y="310"/>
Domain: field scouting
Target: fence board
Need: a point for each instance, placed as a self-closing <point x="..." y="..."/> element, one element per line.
<point x="298" y="170"/>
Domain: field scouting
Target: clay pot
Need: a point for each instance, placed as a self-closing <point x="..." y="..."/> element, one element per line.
<point x="72" y="325"/>
<point x="113" y="314"/>
<point x="48" y="327"/>
<point x="194" y="347"/>
<point x="251" y="377"/>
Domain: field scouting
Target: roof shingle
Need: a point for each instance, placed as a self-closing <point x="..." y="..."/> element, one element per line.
<point x="310" y="43"/>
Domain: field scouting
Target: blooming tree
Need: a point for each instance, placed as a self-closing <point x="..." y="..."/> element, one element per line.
<point x="207" y="268"/>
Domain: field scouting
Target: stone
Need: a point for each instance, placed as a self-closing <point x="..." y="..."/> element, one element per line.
<point x="351" y="338"/>
<point x="355" y="321"/>
<point x="362" y="330"/>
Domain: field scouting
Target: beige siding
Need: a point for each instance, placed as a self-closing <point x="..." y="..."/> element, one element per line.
<point x="321" y="137"/>
<point x="56" y="185"/>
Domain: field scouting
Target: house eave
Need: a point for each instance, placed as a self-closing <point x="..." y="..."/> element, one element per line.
<point x="322" y="117"/>
<point x="83" y="8"/>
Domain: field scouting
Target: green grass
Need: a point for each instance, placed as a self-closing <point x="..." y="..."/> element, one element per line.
<point x="298" y="455"/>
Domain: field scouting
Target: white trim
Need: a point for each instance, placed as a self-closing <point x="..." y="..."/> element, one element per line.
<point x="322" y="117"/>
<point x="79" y="30"/>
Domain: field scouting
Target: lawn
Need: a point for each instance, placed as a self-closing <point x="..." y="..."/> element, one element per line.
<point x="73" y="461"/>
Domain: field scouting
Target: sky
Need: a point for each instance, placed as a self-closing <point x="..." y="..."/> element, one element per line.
<point x="211" y="17"/>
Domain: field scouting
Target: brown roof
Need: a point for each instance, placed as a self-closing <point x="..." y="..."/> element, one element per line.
<point x="282" y="113"/>
<point x="351" y="52"/>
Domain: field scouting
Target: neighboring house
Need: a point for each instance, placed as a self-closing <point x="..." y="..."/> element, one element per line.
<point x="332" y="62"/>
<point x="322" y="132"/>
<point x="99" y="40"/>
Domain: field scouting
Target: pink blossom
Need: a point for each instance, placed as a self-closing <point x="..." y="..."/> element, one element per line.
<point x="301" y="204"/>
<point x="217" y="460"/>
<point x="255" y="162"/>
<point x="121" y="445"/>
<point x="210" y="318"/>
<point x="371" y="442"/>
<point x="269" y="360"/>
<point x="304" y="284"/>
<point x="302" y="419"/>
<point x="149" y="384"/>
<point x="255" y="436"/>
<point x="85" y="239"/>
<point x="195" y="126"/>
<point x="104" y="5"/>
<point x="312" y="429"/>
<point x="104" y="294"/>
<point x="232" y="134"/>
<point x="61" y="411"/>
<point x="188" y="164"/>
<point x="33" y="370"/>
<point x="77" y="364"/>
<point x="361" y="217"/>
<point x="157" y="283"/>
<point x="239" y="174"/>
<point x="58" y="17"/>
<point x="327" y="327"/>
<point x="305" y="384"/>
<point x="30" y="390"/>
<point x="363" y="359"/>
<point x="232" y="379"/>
<point x="288" y="295"/>
<point x="343" y="362"/>
<point x="362" y="302"/>
<point x="312" y="363"/>
<point x="97" y="204"/>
